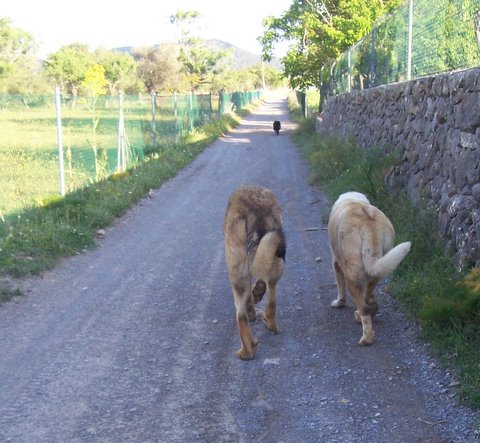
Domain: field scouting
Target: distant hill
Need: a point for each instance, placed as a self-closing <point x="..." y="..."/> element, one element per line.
<point x="241" y="58"/>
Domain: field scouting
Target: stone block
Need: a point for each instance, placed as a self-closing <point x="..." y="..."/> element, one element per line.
<point x="467" y="113"/>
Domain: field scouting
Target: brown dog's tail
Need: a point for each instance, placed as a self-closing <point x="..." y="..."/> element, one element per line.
<point x="272" y="245"/>
<point x="381" y="267"/>
<point x="271" y="248"/>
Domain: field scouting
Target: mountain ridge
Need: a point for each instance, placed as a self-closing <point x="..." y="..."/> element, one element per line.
<point x="242" y="59"/>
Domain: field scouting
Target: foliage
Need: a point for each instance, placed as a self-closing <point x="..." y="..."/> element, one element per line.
<point x="445" y="37"/>
<point x="7" y="291"/>
<point x="14" y="44"/>
<point x="68" y="65"/>
<point x="158" y="68"/>
<point x="318" y="31"/>
<point x="120" y="69"/>
<point x="191" y="64"/>
<point x="94" y="82"/>
<point x="200" y="63"/>
<point x="18" y="71"/>
<point x="248" y="79"/>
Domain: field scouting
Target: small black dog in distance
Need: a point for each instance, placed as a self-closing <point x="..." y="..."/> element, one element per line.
<point x="277" y="126"/>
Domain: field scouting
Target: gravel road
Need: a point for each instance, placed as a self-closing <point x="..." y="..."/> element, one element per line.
<point x="134" y="341"/>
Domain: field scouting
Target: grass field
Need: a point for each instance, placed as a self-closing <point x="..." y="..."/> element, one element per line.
<point x="29" y="157"/>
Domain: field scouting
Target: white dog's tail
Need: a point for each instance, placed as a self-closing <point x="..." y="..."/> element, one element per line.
<point x="381" y="267"/>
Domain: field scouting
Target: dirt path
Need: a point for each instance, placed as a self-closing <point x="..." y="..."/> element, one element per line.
<point x="135" y="341"/>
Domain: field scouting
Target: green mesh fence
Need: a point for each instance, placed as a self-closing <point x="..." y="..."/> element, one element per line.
<point x="99" y="136"/>
<point x="445" y="36"/>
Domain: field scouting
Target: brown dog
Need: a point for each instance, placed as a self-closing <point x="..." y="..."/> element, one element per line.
<point x="254" y="248"/>
<point x="361" y="240"/>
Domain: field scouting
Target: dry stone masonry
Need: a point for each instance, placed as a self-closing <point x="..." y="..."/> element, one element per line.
<point x="435" y="122"/>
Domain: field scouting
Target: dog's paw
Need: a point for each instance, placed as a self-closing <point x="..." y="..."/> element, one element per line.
<point x="259" y="291"/>
<point x="337" y="303"/>
<point x="366" y="341"/>
<point x="272" y="326"/>
<point x="244" y="354"/>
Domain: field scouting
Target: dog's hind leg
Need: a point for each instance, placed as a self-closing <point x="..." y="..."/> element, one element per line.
<point x="370" y="298"/>
<point x="251" y="313"/>
<point x="259" y="290"/>
<point x="339" y="302"/>
<point x="271" y="307"/>
<point x="363" y="314"/>
<point x="242" y="294"/>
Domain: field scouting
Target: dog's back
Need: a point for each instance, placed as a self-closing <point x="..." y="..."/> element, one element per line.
<point x="251" y="214"/>
<point x="362" y="237"/>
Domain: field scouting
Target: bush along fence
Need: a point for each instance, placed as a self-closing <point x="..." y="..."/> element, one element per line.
<point x="420" y="38"/>
<point x="51" y="145"/>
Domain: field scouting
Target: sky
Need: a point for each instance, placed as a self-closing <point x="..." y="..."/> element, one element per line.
<point x="102" y="23"/>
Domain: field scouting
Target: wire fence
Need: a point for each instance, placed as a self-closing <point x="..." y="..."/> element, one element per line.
<point x="53" y="144"/>
<point x="420" y="38"/>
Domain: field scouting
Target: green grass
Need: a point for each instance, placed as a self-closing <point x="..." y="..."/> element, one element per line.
<point x="7" y="292"/>
<point x="34" y="239"/>
<point x="446" y="303"/>
<point x="29" y="152"/>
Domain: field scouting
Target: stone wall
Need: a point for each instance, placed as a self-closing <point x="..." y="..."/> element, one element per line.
<point x="435" y="122"/>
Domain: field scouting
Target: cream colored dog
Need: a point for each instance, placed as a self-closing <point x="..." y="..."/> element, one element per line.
<point x="254" y="248"/>
<point x="361" y="240"/>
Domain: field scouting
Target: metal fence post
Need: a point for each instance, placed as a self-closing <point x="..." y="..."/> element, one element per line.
<point x="349" y="67"/>
<point x="332" y="80"/>
<point x="58" y="95"/>
<point x="190" y="110"/>
<point x="175" y="123"/>
<point x="121" y="148"/>
<point x="373" y="61"/>
<point x="153" y="97"/>
<point x="410" y="40"/>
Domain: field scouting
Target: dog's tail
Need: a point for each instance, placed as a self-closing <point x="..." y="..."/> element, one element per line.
<point x="273" y="244"/>
<point x="381" y="267"/>
<point x="272" y="247"/>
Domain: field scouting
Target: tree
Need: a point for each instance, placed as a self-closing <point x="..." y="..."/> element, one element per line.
<point x="67" y="67"/>
<point x="158" y="67"/>
<point x="319" y="31"/>
<point x="14" y="45"/>
<point x="200" y="63"/>
<point x="119" y="69"/>
<point x="95" y="84"/>
<point x="249" y="79"/>
<point x="18" y="67"/>
<point x="94" y="80"/>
